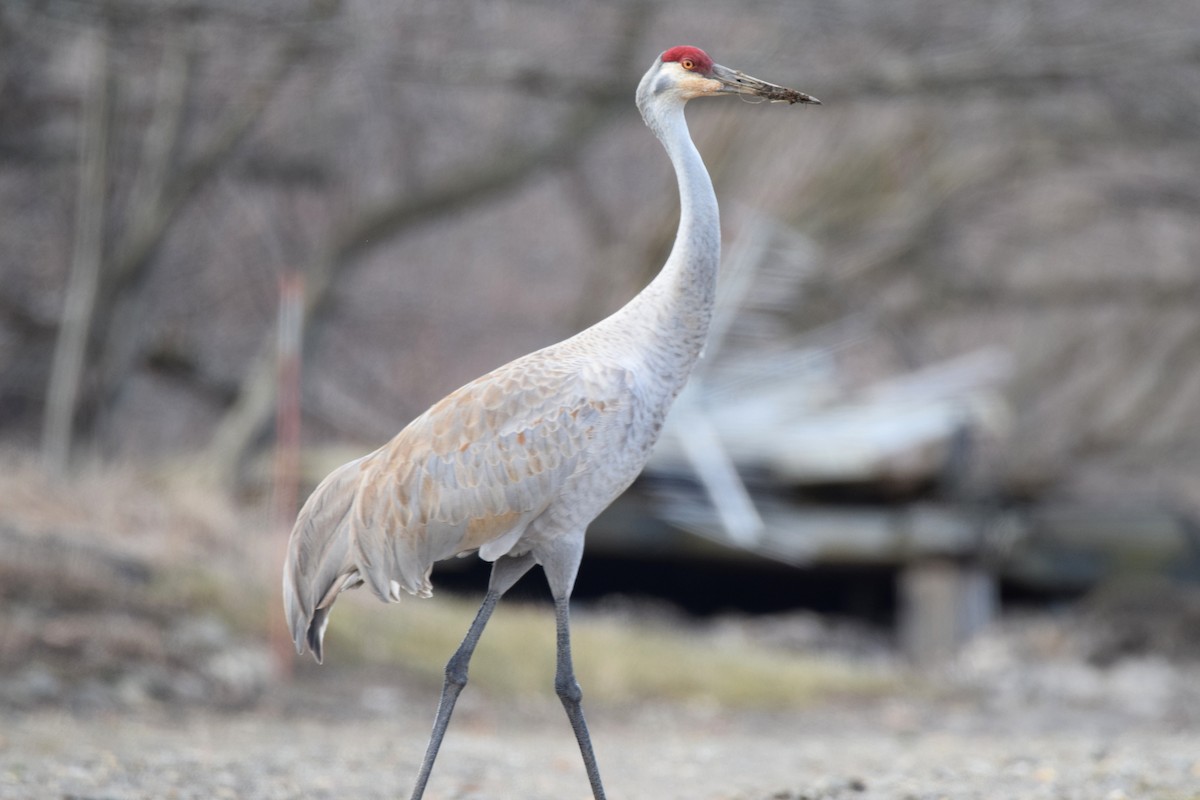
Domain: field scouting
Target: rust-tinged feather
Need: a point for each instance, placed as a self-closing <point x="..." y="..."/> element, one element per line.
<point x="471" y="473"/>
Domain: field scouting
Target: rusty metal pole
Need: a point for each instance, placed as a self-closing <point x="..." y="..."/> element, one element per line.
<point x="286" y="482"/>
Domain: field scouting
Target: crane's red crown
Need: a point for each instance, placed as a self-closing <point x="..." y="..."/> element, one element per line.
<point x="690" y="58"/>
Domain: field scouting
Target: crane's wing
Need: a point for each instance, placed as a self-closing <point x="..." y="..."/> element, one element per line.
<point x="470" y="473"/>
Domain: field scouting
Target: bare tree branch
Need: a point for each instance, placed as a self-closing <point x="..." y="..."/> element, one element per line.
<point x="1031" y="69"/>
<point x="161" y="195"/>
<point x="247" y="421"/>
<point x="114" y="329"/>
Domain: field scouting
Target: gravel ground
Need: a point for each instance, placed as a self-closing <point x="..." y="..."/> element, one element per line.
<point x="894" y="748"/>
<point x="1053" y="707"/>
<point x="1099" y="701"/>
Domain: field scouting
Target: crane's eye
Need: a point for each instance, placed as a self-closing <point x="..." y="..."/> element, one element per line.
<point x="687" y="64"/>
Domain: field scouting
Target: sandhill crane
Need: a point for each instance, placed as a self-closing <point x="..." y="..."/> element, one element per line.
<point x="516" y="464"/>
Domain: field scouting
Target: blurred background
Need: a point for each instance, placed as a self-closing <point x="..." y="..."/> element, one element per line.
<point x="953" y="389"/>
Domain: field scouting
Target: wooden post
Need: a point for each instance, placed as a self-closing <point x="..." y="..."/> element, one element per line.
<point x="942" y="604"/>
<point x="286" y="490"/>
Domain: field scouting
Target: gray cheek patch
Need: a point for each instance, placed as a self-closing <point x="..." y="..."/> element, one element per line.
<point x="662" y="84"/>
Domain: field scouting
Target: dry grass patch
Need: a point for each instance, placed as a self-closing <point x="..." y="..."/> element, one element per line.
<point x="619" y="658"/>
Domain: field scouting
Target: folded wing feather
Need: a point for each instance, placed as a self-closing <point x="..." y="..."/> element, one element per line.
<point x="470" y="473"/>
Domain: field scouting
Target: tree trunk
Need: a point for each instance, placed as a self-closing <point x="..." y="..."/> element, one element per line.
<point x="66" y="376"/>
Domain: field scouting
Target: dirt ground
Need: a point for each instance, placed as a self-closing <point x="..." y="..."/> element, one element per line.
<point x="366" y="740"/>
<point x="1094" y="704"/>
<point x="112" y="689"/>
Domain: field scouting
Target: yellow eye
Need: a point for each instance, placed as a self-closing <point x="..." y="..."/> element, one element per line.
<point x="687" y="64"/>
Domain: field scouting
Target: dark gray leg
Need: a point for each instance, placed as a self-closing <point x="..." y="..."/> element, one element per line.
<point x="505" y="573"/>
<point x="568" y="691"/>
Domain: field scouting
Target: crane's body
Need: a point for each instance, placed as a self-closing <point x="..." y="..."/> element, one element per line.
<point x="517" y="463"/>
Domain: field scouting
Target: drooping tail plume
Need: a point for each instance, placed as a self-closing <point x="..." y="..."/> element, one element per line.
<point x="320" y="559"/>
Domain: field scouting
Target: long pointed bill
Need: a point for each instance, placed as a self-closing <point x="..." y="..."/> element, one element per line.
<point x="736" y="82"/>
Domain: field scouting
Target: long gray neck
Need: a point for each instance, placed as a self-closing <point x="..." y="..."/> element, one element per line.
<point x="670" y="317"/>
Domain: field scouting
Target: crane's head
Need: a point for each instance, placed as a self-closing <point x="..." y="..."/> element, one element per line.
<point x="685" y="73"/>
